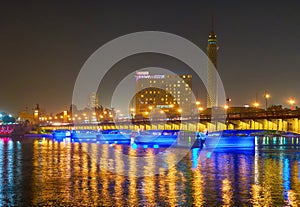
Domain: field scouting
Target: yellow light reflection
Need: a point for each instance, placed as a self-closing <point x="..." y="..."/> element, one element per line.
<point x="119" y="179"/>
<point x="226" y="193"/>
<point x="149" y="181"/>
<point x="133" y="199"/>
<point x="172" y="178"/>
<point x="198" y="187"/>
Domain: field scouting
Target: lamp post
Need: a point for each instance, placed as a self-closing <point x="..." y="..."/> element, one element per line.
<point x="256" y="104"/>
<point x="132" y="110"/>
<point x="266" y="96"/>
<point x="292" y="102"/>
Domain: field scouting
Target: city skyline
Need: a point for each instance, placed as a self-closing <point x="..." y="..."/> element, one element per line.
<point x="43" y="51"/>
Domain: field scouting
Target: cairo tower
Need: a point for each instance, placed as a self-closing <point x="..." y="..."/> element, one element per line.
<point x="212" y="53"/>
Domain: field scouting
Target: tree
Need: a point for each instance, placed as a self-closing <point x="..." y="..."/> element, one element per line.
<point x="8" y="119"/>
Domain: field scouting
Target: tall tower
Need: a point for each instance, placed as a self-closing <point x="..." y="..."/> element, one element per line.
<point x="212" y="53"/>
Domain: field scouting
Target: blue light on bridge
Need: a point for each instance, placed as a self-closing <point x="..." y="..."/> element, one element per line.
<point x="156" y="146"/>
<point x="145" y="146"/>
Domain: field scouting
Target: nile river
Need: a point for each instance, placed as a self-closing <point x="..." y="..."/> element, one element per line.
<point x="43" y="172"/>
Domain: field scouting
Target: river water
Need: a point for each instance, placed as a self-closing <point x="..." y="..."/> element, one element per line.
<point x="49" y="173"/>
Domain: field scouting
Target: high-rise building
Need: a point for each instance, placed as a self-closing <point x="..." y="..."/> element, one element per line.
<point x="168" y="92"/>
<point x="212" y="53"/>
<point x="93" y="100"/>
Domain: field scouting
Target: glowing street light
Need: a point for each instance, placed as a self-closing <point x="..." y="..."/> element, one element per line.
<point x="267" y="96"/>
<point x="292" y="102"/>
<point x="226" y="107"/>
<point x="179" y="110"/>
<point x="197" y="103"/>
<point x="256" y="104"/>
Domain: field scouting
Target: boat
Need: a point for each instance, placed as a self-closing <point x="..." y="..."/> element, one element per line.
<point x="61" y="133"/>
<point x="84" y="134"/>
<point x="110" y="135"/>
<point x="161" y="137"/>
<point x="231" y="139"/>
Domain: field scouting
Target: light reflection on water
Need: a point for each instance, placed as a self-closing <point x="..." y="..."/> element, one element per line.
<point x="44" y="172"/>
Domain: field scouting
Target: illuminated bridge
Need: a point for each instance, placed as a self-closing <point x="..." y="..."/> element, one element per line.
<point x="271" y="120"/>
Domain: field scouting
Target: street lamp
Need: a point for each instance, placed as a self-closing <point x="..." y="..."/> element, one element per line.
<point x="267" y="96"/>
<point x="256" y="104"/>
<point x="292" y="102"/>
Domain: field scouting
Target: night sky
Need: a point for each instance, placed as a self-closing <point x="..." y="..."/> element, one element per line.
<point x="44" y="45"/>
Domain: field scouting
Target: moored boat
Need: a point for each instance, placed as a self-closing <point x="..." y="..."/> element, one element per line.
<point x="161" y="137"/>
<point x="84" y="134"/>
<point x="61" y="133"/>
<point x="114" y="135"/>
<point x="231" y="139"/>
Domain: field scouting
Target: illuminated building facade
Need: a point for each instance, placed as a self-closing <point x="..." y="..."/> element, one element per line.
<point x="212" y="53"/>
<point x="93" y="100"/>
<point x="168" y="92"/>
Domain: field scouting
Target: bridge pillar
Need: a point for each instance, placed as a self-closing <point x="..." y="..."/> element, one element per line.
<point x="211" y="127"/>
<point x="256" y="124"/>
<point x="192" y="127"/>
<point x="272" y="124"/>
<point x="153" y="126"/>
<point x="168" y="126"/>
<point x="296" y="122"/>
<point x="293" y="125"/>
<point x="221" y="126"/>
<point x="201" y="127"/>
<point x="230" y="126"/>
<point x="279" y="125"/>
<point x="243" y="125"/>
<point x="183" y="126"/>
<point x="284" y="125"/>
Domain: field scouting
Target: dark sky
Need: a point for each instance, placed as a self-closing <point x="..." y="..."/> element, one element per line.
<point x="44" y="45"/>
